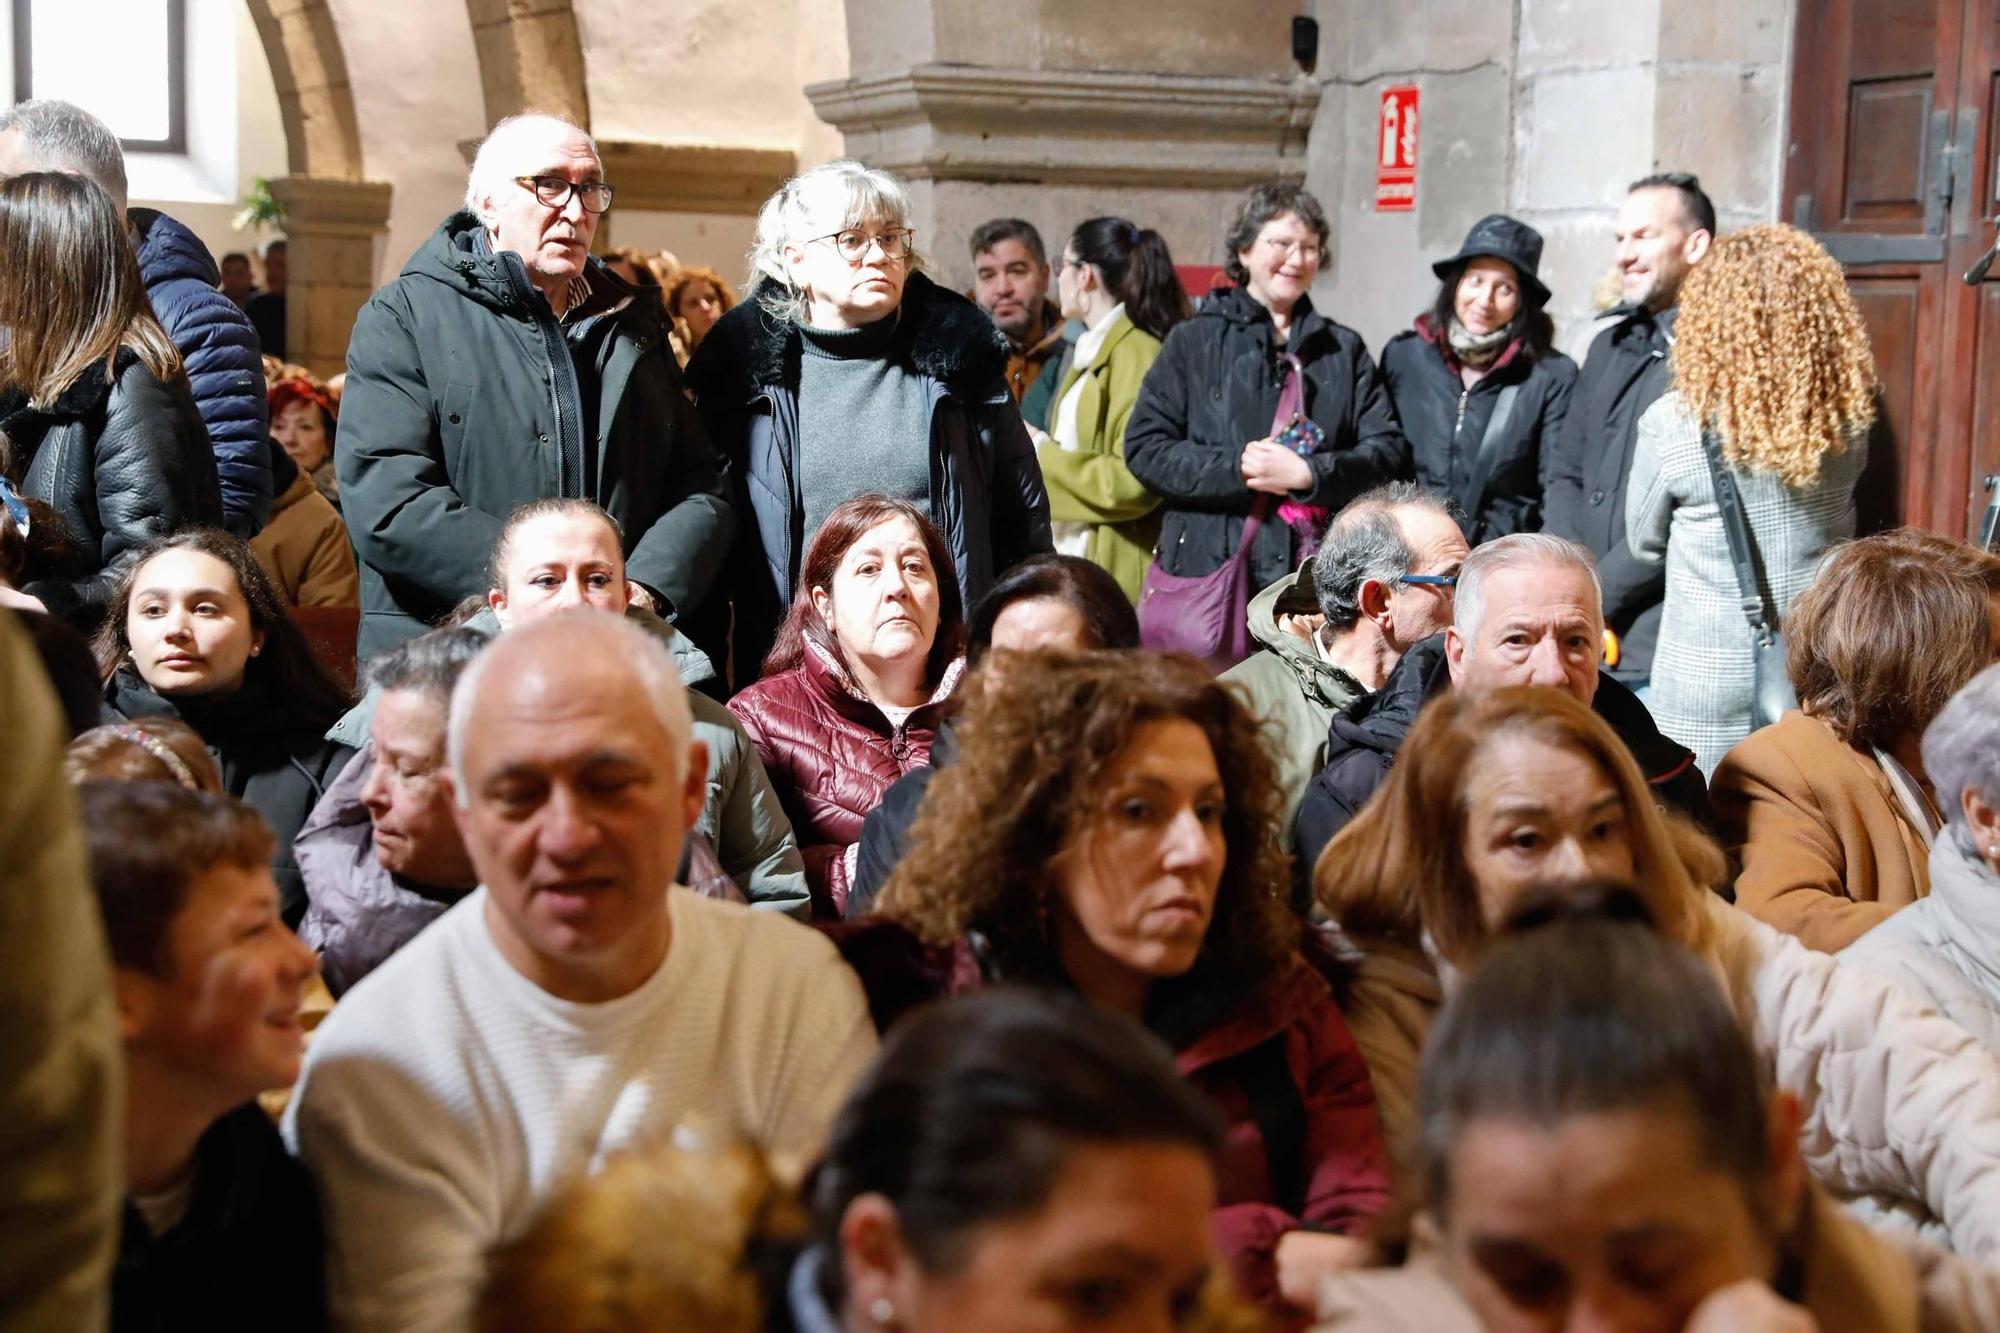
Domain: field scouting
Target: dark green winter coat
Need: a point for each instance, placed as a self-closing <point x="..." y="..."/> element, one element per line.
<point x="464" y="400"/>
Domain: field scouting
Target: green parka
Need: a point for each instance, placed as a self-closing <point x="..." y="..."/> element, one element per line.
<point x="464" y="400"/>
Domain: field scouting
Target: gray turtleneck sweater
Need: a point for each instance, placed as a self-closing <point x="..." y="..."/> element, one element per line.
<point x="864" y="421"/>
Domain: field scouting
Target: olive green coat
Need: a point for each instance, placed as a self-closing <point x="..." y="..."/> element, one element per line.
<point x="1090" y="484"/>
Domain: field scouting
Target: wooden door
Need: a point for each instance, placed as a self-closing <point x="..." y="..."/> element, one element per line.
<point x="1890" y="165"/>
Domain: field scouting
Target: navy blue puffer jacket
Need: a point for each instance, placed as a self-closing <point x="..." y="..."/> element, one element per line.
<point x="225" y="366"/>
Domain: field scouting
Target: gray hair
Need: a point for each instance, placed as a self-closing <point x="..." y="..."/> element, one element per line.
<point x="1365" y="541"/>
<point x="494" y="166"/>
<point x="567" y="634"/>
<point x="1515" y="551"/>
<point x="1962" y="751"/>
<point x="804" y="207"/>
<point x="65" y="137"/>
<point x="429" y="664"/>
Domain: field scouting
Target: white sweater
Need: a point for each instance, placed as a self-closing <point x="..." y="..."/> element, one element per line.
<point x="447" y="1095"/>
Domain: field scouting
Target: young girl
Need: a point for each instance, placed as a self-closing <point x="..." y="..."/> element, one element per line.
<point x="198" y="632"/>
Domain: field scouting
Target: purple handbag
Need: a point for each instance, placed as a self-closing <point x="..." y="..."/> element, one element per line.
<point x="1209" y="615"/>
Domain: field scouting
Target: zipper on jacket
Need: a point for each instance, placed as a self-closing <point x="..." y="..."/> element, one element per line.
<point x="566" y="391"/>
<point x="1463" y="394"/>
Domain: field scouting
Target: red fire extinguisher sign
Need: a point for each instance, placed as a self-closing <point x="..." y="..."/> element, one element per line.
<point x="1396" y="150"/>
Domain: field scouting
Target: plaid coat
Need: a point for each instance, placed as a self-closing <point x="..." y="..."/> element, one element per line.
<point x="1704" y="672"/>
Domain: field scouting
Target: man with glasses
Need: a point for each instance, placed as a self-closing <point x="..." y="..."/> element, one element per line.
<point x="507" y="365"/>
<point x="1527" y="612"/>
<point x="1382" y="582"/>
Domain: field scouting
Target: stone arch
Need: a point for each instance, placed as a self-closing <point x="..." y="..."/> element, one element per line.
<point x="334" y="215"/>
<point x="322" y="134"/>
<point x="530" y="57"/>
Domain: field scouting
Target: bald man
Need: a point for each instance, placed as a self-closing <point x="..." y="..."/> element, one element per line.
<point x="574" y="1004"/>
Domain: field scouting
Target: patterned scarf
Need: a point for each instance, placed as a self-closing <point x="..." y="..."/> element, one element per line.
<point x="1479" y="350"/>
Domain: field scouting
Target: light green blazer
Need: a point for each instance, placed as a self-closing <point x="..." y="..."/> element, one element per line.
<point x="1090" y="484"/>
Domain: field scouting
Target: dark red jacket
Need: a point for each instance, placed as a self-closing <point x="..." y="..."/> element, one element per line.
<point x="1304" y="1148"/>
<point x="831" y="753"/>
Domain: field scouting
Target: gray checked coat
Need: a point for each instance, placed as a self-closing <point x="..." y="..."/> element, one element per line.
<point x="1703" y="671"/>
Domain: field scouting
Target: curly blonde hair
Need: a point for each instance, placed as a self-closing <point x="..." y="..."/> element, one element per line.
<point x="1769" y="349"/>
<point x="1034" y="745"/>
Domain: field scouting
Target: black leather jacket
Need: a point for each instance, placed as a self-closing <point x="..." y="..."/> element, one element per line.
<point x="121" y="460"/>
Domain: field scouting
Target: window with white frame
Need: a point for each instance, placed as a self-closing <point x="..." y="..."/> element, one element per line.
<point x="125" y="61"/>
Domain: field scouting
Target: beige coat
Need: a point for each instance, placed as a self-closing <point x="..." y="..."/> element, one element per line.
<point x="304" y="549"/>
<point x="1854" y="1280"/>
<point x="61" y="1065"/>
<point x="1902" y="1106"/>
<point x="1826" y="849"/>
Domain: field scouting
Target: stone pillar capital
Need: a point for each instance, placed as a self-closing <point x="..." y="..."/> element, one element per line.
<point x="331" y="227"/>
<point x="320" y="203"/>
<point x="947" y="122"/>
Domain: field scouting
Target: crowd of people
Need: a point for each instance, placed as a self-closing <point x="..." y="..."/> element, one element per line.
<point x="1083" y="804"/>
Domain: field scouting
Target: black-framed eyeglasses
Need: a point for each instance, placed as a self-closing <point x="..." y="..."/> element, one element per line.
<point x="1431" y="580"/>
<point x="554" y="191"/>
<point x="852" y="243"/>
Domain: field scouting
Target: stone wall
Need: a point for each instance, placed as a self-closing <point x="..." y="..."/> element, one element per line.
<point x="1057" y="112"/>
<point x="1545" y="109"/>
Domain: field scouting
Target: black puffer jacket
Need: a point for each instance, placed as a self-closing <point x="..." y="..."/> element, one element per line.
<point x="986" y="487"/>
<point x="464" y="400"/>
<point x="1625" y="373"/>
<point x="1213" y="390"/>
<point x="121" y="460"/>
<point x="276" y="762"/>
<point x="1498" y="487"/>
<point x="1364" y="738"/>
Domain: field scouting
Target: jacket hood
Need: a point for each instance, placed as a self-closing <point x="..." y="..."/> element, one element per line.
<point x="1317" y="677"/>
<point x="169" y="250"/>
<point x="353" y="728"/>
<point x="1247" y="1021"/>
<point x="938" y="333"/>
<point x="455" y="256"/>
<point x="1381" y="720"/>
<point x="1966" y="896"/>
<point x="1234" y="305"/>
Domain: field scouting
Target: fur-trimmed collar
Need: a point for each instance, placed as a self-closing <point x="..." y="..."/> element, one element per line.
<point x="88" y="394"/>
<point x="938" y="333"/>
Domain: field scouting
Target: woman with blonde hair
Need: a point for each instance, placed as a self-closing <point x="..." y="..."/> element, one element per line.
<point x="1901" y="1107"/>
<point x="1774" y="392"/>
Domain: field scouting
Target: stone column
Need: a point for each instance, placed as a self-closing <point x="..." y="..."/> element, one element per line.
<point x="1056" y="114"/>
<point x="331" y="229"/>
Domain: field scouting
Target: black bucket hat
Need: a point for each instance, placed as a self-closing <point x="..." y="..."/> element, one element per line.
<point x="1497" y="236"/>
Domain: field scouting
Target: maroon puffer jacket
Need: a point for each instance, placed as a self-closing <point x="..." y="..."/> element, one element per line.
<point x="831" y="753"/>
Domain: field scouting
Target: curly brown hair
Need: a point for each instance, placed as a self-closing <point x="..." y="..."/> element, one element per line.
<point x="1769" y="349"/>
<point x="1034" y="743"/>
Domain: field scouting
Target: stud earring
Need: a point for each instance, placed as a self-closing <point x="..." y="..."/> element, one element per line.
<point x="882" y="1310"/>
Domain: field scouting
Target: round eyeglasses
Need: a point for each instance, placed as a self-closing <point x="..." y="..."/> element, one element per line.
<point x="554" y="191"/>
<point x="852" y="243"/>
